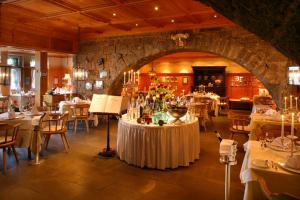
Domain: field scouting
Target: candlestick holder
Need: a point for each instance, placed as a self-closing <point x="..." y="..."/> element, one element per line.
<point x="292" y="138"/>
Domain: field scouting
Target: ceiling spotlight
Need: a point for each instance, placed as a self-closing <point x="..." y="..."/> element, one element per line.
<point x="136" y="25"/>
<point x="156" y="8"/>
<point x="172" y="20"/>
<point x="215" y="16"/>
<point x="114" y="14"/>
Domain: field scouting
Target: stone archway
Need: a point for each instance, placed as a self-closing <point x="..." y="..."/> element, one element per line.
<point x="238" y="45"/>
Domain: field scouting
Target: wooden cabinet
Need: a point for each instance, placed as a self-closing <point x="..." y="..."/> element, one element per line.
<point x="213" y="78"/>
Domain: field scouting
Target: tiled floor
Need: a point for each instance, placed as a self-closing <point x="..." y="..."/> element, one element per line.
<point x="81" y="174"/>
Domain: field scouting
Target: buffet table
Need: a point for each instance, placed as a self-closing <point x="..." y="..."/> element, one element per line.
<point x="160" y="147"/>
<point x="289" y="181"/>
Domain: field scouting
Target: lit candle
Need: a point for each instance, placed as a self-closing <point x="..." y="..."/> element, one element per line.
<point x="282" y="126"/>
<point x="138" y="75"/>
<point x="296" y="98"/>
<point x="183" y="92"/>
<point x="285" y="98"/>
<point x="133" y="77"/>
<point x="124" y="78"/>
<point x="292" y="125"/>
<point x="131" y="74"/>
<point x="291" y="101"/>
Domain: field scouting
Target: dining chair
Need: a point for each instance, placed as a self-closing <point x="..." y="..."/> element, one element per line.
<point x="223" y="104"/>
<point x="8" y="140"/>
<point x="55" y="126"/>
<point x="269" y="195"/>
<point x="201" y="113"/>
<point x="81" y="113"/>
<point x="50" y="107"/>
<point x="239" y="125"/>
<point x="273" y="131"/>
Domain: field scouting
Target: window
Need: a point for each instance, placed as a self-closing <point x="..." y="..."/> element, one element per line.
<point x="15" y="79"/>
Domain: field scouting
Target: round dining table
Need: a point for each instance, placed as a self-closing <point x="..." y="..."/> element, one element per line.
<point x="159" y="147"/>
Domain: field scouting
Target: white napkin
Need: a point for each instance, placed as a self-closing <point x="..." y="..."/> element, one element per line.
<point x="270" y="112"/>
<point x="76" y="100"/>
<point x="34" y="110"/>
<point x="293" y="162"/>
<point x="277" y="142"/>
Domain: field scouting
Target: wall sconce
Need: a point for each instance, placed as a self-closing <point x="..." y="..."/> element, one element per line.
<point x="4" y="75"/>
<point x="80" y="74"/>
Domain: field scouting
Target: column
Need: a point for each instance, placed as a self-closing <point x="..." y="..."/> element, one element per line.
<point x="5" y="89"/>
<point x="41" y="76"/>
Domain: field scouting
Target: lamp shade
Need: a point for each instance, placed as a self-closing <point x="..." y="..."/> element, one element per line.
<point x="67" y="77"/>
<point x="4" y="75"/>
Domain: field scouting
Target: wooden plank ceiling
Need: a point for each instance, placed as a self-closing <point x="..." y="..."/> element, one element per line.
<point x="92" y="19"/>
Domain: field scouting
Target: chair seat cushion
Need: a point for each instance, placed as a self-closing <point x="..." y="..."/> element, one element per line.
<point x="2" y="139"/>
<point x="52" y="128"/>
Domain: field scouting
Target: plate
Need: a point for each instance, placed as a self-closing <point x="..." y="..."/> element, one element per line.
<point x="277" y="148"/>
<point x="260" y="163"/>
<point x="282" y="164"/>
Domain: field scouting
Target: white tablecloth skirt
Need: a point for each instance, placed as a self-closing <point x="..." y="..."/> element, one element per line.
<point x="158" y="147"/>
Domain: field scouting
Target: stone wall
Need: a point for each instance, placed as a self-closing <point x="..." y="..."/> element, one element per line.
<point x="132" y="52"/>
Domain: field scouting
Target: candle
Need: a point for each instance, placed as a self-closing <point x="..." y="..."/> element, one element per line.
<point x="285" y="102"/>
<point x="292" y="125"/>
<point x="133" y="77"/>
<point x="183" y="92"/>
<point x="128" y="76"/>
<point x="291" y="101"/>
<point x="296" y="98"/>
<point x="131" y="74"/>
<point x="282" y="126"/>
<point x="124" y="78"/>
<point x="138" y="74"/>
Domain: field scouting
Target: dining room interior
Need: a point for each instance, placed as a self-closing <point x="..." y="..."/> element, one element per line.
<point x="149" y="99"/>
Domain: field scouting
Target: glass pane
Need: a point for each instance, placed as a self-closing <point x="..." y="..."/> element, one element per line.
<point x="15" y="79"/>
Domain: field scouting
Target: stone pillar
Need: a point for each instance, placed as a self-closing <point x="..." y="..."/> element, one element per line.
<point x="5" y="89"/>
<point x="41" y="76"/>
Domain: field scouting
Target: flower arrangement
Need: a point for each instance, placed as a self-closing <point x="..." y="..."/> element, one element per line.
<point x="158" y="94"/>
<point x="14" y="105"/>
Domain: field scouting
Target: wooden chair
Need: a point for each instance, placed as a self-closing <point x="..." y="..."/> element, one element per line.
<point x="8" y="140"/>
<point x="273" y="130"/>
<point x="239" y="125"/>
<point x="52" y="108"/>
<point x="3" y="104"/>
<point x="201" y="113"/>
<point x="268" y="195"/>
<point x="81" y="113"/>
<point x="55" y="126"/>
<point x="223" y="104"/>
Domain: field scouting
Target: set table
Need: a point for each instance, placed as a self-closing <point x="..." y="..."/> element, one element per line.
<point x="160" y="147"/>
<point x="278" y="180"/>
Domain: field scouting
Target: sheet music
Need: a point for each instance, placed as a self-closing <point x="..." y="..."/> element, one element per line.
<point x="103" y="103"/>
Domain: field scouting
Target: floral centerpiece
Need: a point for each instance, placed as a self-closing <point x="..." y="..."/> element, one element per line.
<point x="159" y="94"/>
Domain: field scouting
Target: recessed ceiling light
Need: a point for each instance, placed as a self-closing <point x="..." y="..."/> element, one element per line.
<point x="136" y="24"/>
<point x="156" y="8"/>
<point x="172" y="20"/>
<point x="215" y="16"/>
<point x="114" y="14"/>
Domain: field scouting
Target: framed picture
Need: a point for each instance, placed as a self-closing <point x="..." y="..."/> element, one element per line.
<point x="103" y="74"/>
<point x="99" y="85"/>
<point x="88" y="86"/>
<point x="185" y="80"/>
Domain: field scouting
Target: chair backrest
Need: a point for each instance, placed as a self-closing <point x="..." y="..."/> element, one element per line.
<point x="240" y="122"/>
<point x="10" y="133"/>
<point x="81" y="110"/>
<point x="50" y="107"/>
<point x="273" y="130"/>
<point x="200" y="110"/>
<point x="53" y="125"/>
<point x="224" y="100"/>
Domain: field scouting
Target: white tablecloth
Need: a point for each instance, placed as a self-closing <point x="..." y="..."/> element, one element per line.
<point x="158" y="147"/>
<point x="25" y="137"/>
<point x="279" y="181"/>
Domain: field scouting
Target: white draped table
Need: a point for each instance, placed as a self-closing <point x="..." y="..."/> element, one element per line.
<point x="160" y="147"/>
<point x="278" y="180"/>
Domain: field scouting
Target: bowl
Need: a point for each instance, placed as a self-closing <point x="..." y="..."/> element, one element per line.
<point x="177" y="112"/>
